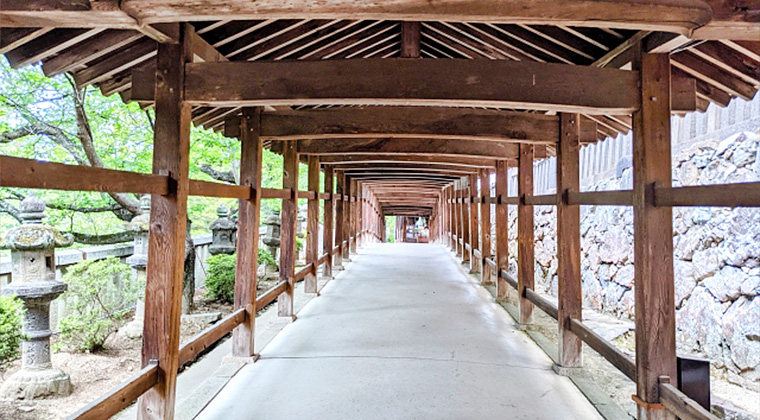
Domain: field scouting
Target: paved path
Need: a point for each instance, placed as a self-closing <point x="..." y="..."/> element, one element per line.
<point x="402" y="334"/>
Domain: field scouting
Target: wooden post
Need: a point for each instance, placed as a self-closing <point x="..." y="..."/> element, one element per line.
<point x="362" y="215"/>
<point x="452" y="219"/>
<point x="312" y="225"/>
<point x="502" y="230"/>
<point x="327" y="223"/>
<point x="339" y="190"/>
<point x="653" y="234"/>
<point x="458" y="218"/>
<point x="352" y="219"/>
<point x="168" y="221"/>
<point x="288" y="228"/>
<point x="346" y="218"/>
<point x="465" y="222"/>
<point x="570" y="297"/>
<point x="485" y="224"/>
<point x="410" y="39"/>
<point x="248" y="232"/>
<point x="525" y="234"/>
<point x="474" y="234"/>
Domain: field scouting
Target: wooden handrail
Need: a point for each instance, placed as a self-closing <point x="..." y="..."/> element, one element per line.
<point x="491" y="263"/>
<point x="216" y="189"/>
<point x="211" y="335"/>
<point x="680" y="404"/>
<point x="541" y="200"/>
<point x="303" y="272"/>
<point x="745" y="194"/>
<point x="120" y="396"/>
<point x="323" y="259"/>
<point x="509" y="279"/>
<point x="270" y="295"/>
<point x="605" y="349"/>
<point x="276" y="193"/>
<point x="601" y="198"/>
<point x="311" y="195"/>
<point x="29" y="173"/>
<point x="542" y="303"/>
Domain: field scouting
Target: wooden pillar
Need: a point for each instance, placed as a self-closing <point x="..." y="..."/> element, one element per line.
<point x="353" y="215"/>
<point x="465" y="221"/>
<point x="327" y="223"/>
<point x="452" y="220"/>
<point x="168" y="221"/>
<point x="485" y="224"/>
<point x="570" y="297"/>
<point x="248" y="232"/>
<point x="474" y="229"/>
<point x="346" y="217"/>
<point x="525" y="234"/>
<point x="653" y="234"/>
<point x="458" y="218"/>
<point x="410" y="39"/>
<point x="502" y="229"/>
<point x="288" y="228"/>
<point x="312" y="225"/>
<point x="339" y="191"/>
<point x="362" y="216"/>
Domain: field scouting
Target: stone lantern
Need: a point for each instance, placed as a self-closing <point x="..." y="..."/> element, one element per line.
<point x="272" y="236"/>
<point x="223" y="233"/>
<point x="140" y="225"/>
<point x="32" y="248"/>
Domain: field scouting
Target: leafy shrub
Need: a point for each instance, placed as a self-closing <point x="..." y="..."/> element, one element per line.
<point x="11" y="310"/>
<point x="99" y="293"/>
<point x="265" y="257"/>
<point x="220" y="277"/>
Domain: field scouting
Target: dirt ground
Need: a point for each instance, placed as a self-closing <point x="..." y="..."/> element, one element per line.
<point x="92" y="375"/>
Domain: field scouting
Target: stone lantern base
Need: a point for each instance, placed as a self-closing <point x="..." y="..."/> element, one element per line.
<point x="28" y="384"/>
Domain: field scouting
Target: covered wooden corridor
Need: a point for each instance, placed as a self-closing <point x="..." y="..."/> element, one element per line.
<point x="402" y="334"/>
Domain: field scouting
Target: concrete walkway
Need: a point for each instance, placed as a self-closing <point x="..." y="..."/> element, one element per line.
<point x="402" y="334"/>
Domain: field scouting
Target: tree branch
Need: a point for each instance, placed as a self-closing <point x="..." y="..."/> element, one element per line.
<point x="6" y="207"/>
<point x="107" y="239"/>
<point x="54" y="133"/>
<point x="224" y="176"/>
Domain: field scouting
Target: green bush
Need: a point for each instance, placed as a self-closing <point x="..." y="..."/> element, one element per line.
<point x="11" y="311"/>
<point x="265" y="257"/>
<point x="220" y="277"/>
<point x="98" y="294"/>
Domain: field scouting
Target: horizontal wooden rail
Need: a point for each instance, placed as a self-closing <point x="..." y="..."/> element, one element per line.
<point x="601" y="198"/>
<point x="216" y="189"/>
<point x="467" y="247"/>
<point x="118" y="398"/>
<point x="335" y="250"/>
<point x="509" y="279"/>
<point x="477" y="253"/>
<point x="325" y="196"/>
<point x="491" y="263"/>
<point x="270" y="295"/>
<point x="311" y="195"/>
<point x="276" y="193"/>
<point x="540" y="200"/>
<point x="323" y="259"/>
<point x="29" y="173"/>
<point x="605" y="349"/>
<point x="303" y="272"/>
<point x="680" y="404"/>
<point x="542" y="303"/>
<point x="726" y="195"/>
<point x="210" y="335"/>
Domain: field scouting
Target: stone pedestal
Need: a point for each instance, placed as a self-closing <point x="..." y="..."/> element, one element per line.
<point x="32" y="248"/>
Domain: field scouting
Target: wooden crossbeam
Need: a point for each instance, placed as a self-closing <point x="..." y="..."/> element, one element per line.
<point x="461" y="161"/>
<point x="443" y="82"/>
<point x="440" y="147"/>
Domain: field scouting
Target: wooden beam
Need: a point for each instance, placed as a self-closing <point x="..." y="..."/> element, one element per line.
<point x="410" y="39"/>
<point x="525" y="234"/>
<point x="352" y="221"/>
<point x="312" y="226"/>
<point x="346" y="221"/>
<point x="340" y="234"/>
<point x="385" y="146"/>
<point x="410" y="122"/>
<point x="462" y="161"/>
<point x="542" y="86"/>
<point x="485" y="224"/>
<point x="247" y="264"/>
<point x="166" y="242"/>
<point x="653" y="235"/>
<point x="327" y="223"/>
<point x="502" y="230"/>
<point x="744" y="194"/>
<point x="288" y="229"/>
<point x="474" y="228"/>
<point x="570" y="292"/>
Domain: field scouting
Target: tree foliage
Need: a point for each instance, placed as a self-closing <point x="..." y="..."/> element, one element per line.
<point x="11" y="311"/>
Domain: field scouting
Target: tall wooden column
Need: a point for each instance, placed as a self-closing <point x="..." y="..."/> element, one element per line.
<point x="465" y="221"/>
<point x="474" y="228"/>
<point x="288" y="228"/>
<point x="525" y="234"/>
<point x="485" y="224"/>
<point x="346" y="217"/>
<point x="327" y="223"/>
<point x="452" y="219"/>
<point x="502" y="229"/>
<point x="312" y="225"/>
<point x="458" y="218"/>
<point x="168" y="220"/>
<point x="569" y="241"/>
<point x="353" y="219"/>
<point x="248" y="231"/>
<point x="653" y="234"/>
<point x="339" y="191"/>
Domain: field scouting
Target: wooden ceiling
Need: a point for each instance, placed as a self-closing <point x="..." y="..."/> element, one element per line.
<point x="368" y="142"/>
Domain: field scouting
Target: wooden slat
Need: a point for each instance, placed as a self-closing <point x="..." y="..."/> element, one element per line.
<point x="600" y="198"/>
<point x="216" y="189"/>
<point x="542" y="303"/>
<point x="270" y="295"/>
<point x="680" y="404"/>
<point x="249" y="213"/>
<point x="724" y="195"/>
<point x="208" y="337"/>
<point x="414" y="82"/>
<point x="88" y="51"/>
<point x="29" y="173"/>
<point x="605" y="349"/>
<point x="119" y="397"/>
<point x="525" y="233"/>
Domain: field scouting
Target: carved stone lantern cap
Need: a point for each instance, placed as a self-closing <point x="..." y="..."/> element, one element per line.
<point x="273" y="219"/>
<point x="32" y="235"/>
<point x="141" y="222"/>
<point x="224" y="221"/>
